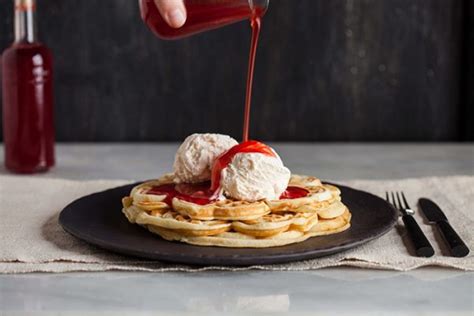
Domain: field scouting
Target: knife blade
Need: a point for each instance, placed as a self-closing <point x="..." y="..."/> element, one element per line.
<point x="432" y="211"/>
<point x="435" y="215"/>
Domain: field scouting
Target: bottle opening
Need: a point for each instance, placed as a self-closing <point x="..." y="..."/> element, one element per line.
<point x="259" y="4"/>
<point x="25" y="5"/>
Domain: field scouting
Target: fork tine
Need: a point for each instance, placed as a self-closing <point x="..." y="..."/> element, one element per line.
<point x="394" y="202"/>
<point x="386" y="197"/>
<point x="405" y="200"/>
<point x="400" y="206"/>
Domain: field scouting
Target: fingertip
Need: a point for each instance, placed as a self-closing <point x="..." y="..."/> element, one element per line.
<point x="176" y="18"/>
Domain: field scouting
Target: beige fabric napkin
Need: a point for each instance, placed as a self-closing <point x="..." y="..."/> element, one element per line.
<point x="31" y="239"/>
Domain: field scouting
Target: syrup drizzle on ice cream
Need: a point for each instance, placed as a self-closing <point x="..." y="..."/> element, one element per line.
<point x="207" y="192"/>
<point x="225" y="159"/>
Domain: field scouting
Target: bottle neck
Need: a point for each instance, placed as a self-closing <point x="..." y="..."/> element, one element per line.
<point x="25" y="26"/>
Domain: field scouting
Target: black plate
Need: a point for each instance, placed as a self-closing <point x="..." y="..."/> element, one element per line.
<point x="97" y="219"/>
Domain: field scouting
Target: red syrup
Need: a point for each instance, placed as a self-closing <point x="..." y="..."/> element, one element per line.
<point x="195" y="193"/>
<point x="256" y="26"/>
<point x="293" y="193"/>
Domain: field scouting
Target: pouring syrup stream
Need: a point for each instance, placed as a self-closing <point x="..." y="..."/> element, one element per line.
<point x="256" y="26"/>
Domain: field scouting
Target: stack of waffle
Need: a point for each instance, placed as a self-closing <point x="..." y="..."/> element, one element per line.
<point x="231" y="223"/>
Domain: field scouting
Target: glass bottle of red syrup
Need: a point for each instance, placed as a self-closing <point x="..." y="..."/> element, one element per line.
<point x="27" y="74"/>
<point x="202" y="15"/>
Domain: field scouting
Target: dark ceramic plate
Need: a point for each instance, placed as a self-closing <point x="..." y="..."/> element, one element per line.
<point x="97" y="219"/>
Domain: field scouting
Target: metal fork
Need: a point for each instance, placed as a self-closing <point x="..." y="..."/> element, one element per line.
<point x="422" y="246"/>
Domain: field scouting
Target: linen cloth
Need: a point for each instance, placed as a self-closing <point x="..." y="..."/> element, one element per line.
<point x="31" y="239"/>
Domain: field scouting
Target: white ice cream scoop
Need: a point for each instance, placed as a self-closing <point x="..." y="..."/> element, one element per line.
<point x="195" y="156"/>
<point x="255" y="176"/>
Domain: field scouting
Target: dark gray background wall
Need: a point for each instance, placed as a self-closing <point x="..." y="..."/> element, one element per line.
<point x="365" y="70"/>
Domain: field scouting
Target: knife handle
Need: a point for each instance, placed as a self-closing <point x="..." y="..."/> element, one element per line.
<point x="420" y="242"/>
<point x="457" y="247"/>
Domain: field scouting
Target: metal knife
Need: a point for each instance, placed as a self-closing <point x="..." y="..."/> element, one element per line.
<point x="435" y="215"/>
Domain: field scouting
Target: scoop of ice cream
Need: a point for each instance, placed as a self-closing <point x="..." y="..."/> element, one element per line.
<point x="255" y="176"/>
<point x="194" y="158"/>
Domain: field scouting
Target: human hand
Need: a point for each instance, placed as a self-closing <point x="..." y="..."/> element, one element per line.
<point x="172" y="11"/>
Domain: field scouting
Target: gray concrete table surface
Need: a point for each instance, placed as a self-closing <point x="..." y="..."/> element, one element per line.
<point x="426" y="291"/>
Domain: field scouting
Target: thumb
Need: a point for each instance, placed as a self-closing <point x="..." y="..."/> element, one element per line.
<point x="173" y="11"/>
